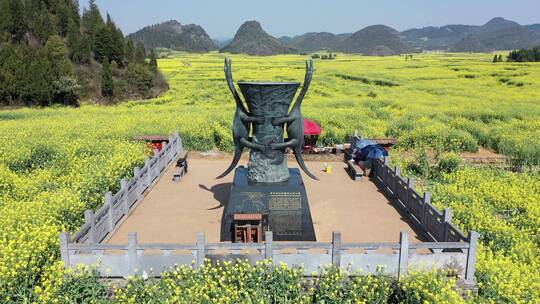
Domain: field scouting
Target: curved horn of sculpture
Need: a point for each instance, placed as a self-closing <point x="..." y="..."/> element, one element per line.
<point x="295" y="129"/>
<point x="307" y="82"/>
<point x="230" y="82"/>
<point x="240" y="122"/>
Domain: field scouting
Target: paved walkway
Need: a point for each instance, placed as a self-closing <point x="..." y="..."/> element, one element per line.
<point x="174" y="212"/>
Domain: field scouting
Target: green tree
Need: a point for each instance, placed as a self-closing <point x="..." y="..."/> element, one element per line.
<point x="140" y="79"/>
<point x="42" y="26"/>
<point x="495" y="58"/>
<point x="56" y="48"/>
<point x="107" y="83"/>
<point x="500" y="59"/>
<point x="103" y="44"/>
<point x="14" y="20"/>
<point x="140" y="53"/>
<point x="118" y="43"/>
<point x="92" y="22"/>
<point x="39" y="76"/>
<point x="63" y="17"/>
<point x="130" y="51"/>
<point x="79" y="51"/>
<point x="153" y="62"/>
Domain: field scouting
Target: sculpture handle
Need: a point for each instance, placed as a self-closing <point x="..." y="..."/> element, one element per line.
<point x="307" y="83"/>
<point x="230" y="82"/>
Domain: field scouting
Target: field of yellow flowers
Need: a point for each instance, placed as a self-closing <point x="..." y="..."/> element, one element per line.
<point x="57" y="162"/>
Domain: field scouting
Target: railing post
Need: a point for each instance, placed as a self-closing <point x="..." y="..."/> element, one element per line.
<point x="110" y="213"/>
<point x="157" y="164"/>
<point x="125" y="195"/>
<point x="201" y="249"/>
<point x="403" y="264"/>
<point x="427" y="201"/>
<point x="336" y="248"/>
<point x="138" y="187"/>
<point x="64" y="248"/>
<point x="447" y="219"/>
<point x="89" y="219"/>
<point x="268" y="246"/>
<point x="148" y="173"/>
<point x="410" y="187"/>
<point x="471" y="257"/>
<point x="172" y="149"/>
<point x="384" y="175"/>
<point x="394" y="183"/>
<point x="132" y="253"/>
<point x="163" y="156"/>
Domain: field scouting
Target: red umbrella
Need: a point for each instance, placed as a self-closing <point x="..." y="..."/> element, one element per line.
<point x="311" y="128"/>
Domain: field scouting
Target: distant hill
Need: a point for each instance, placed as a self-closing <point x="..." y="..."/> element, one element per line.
<point x="437" y="38"/>
<point x="316" y="41"/>
<point x="173" y="35"/>
<point x="378" y="40"/>
<point x="502" y="34"/>
<point x="469" y="43"/>
<point x="251" y="39"/>
<point x="312" y="42"/>
<point x="497" y="34"/>
<point x="222" y="42"/>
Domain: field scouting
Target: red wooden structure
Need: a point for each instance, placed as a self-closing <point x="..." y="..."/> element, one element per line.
<point x="248" y="228"/>
<point x="153" y="141"/>
<point x="311" y="134"/>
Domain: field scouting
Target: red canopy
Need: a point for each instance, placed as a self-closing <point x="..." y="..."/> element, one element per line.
<point x="311" y="128"/>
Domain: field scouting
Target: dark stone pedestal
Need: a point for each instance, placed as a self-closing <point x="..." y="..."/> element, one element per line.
<point x="284" y="206"/>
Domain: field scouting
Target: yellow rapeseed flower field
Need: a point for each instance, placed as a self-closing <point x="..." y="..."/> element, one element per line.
<point x="57" y="162"/>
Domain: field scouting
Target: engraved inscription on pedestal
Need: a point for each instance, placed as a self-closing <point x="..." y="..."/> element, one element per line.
<point x="285" y="216"/>
<point x="285" y="201"/>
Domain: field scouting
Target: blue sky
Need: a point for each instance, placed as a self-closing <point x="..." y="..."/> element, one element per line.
<point x="293" y="17"/>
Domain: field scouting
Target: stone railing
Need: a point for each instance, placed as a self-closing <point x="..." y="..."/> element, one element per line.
<point x="390" y="258"/>
<point x="436" y="225"/>
<point x="447" y="247"/>
<point x="117" y="207"/>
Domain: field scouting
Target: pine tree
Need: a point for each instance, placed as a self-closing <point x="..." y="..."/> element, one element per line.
<point x="130" y="51"/>
<point x="78" y="49"/>
<point x="153" y="62"/>
<point x="107" y="83"/>
<point x="140" y="53"/>
<point x="64" y="19"/>
<point x="14" y="24"/>
<point x="92" y="23"/>
<point x="117" y="47"/>
<point x="42" y="24"/>
<point x="500" y="59"/>
<point x="103" y="44"/>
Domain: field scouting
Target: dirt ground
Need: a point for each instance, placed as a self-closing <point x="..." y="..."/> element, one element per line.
<point x="174" y="212"/>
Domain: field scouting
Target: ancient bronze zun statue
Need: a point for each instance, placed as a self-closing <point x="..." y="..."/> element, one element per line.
<point x="266" y="117"/>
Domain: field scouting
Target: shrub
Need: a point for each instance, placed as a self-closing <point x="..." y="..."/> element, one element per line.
<point x="140" y="78"/>
<point x="448" y="163"/>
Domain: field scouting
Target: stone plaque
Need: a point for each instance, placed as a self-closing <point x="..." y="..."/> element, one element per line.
<point x="285" y="201"/>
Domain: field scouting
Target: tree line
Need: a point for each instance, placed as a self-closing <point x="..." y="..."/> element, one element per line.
<point x="525" y="55"/>
<point x="50" y="54"/>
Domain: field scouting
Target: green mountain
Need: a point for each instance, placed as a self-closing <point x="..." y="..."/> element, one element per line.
<point x="312" y="42"/>
<point x="378" y="40"/>
<point x="437" y="38"/>
<point x="496" y="34"/>
<point x="173" y="35"/>
<point x="251" y="39"/>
